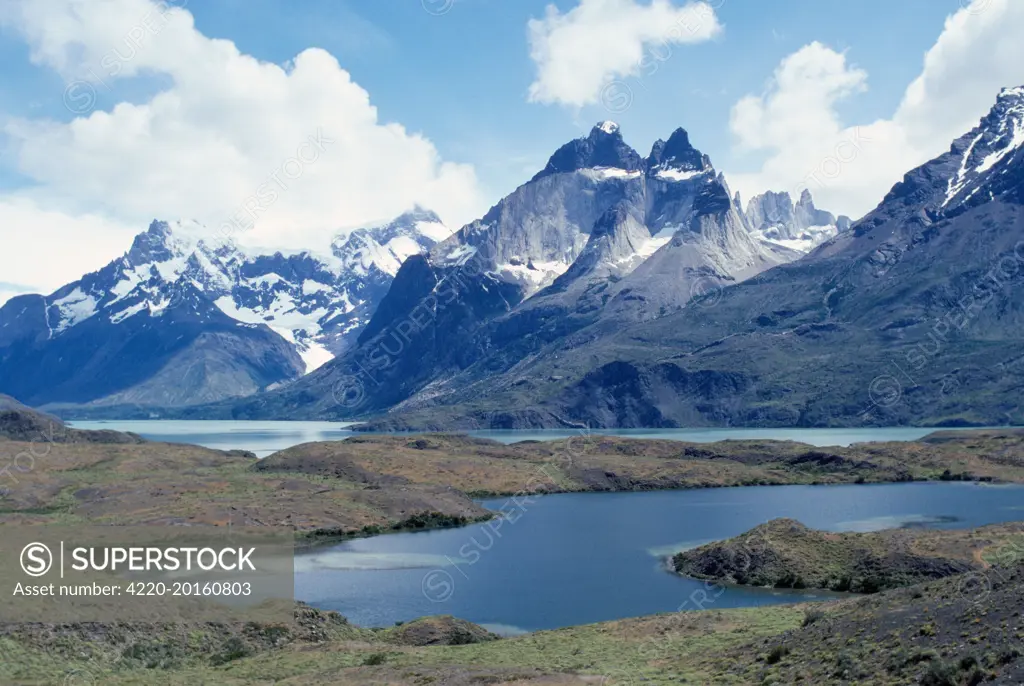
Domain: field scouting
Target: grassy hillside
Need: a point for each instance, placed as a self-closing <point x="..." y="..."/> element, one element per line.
<point x="21" y="423"/>
<point x="367" y="484"/>
<point x="784" y="553"/>
<point x="950" y="632"/>
<point x="158" y="483"/>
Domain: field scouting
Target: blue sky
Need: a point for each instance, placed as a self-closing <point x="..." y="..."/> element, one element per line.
<point x="461" y="77"/>
<point x="214" y="98"/>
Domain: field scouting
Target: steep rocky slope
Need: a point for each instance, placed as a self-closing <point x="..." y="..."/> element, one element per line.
<point x="599" y="237"/>
<point x="914" y="315"/>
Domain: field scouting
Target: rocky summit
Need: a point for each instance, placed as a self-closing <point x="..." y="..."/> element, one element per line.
<point x="599" y="237"/>
<point x="776" y="220"/>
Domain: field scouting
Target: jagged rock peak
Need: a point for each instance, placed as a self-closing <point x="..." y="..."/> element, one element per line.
<point x="773" y="218"/>
<point x="677" y="153"/>
<point x="604" y="147"/>
<point x="979" y="166"/>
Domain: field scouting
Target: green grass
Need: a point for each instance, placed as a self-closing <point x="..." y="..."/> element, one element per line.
<point x="662" y="649"/>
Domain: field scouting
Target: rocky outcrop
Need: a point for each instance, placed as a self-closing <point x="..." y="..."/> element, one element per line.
<point x="25" y="425"/>
<point x="775" y="219"/>
<point x="784" y="553"/>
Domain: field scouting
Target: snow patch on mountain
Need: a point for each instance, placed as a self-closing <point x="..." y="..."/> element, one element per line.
<point x="679" y="175"/>
<point x="1016" y="140"/>
<point x="982" y="155"/>
<point x="75" y="307"/>
<point x="605" y="173"/>
<point x="313" y="301"/>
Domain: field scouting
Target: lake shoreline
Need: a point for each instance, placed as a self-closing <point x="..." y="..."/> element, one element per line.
<point x="371" y="484"/>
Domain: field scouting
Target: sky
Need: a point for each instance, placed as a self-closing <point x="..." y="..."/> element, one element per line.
<point x="282" y="123"/>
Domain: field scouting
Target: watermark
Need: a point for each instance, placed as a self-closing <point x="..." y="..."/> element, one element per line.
<point x="439" y="585"/>
<point x="975" y="6"/>
<point x="662" y="646"/>
<point x="79" y="677"/>
<point x="15" y="468"/>
<point x="887" y="390"/>
<point x="279" y="181"/>
<point x="368" y="361"/>
<point x="146" y="573"/>
<point x="976" y="586"/>
<point x="438" y="7"/>
<point x="705" y="292"/>
<point x="80" y="96"/>
<point x="617" y="94"/>
<point x="831" y="166"/>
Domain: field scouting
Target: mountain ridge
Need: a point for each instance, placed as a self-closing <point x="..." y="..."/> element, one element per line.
<point x="575" y="247"/>
<point x="218" y="320"/>
<point x="937" y="339"/>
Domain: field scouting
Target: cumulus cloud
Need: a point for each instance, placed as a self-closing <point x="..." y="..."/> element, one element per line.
<point x="578" y="53"/>
<point x="285" y="154"/>
<point x="849" y="168"/>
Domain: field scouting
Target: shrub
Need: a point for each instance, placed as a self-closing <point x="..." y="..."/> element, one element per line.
<point x="375" y="659"/>
<point x="233" y="649"/>
<point x="941" y="673"/>
<point x="811" y="616"/>
<point x="776" y="654"/>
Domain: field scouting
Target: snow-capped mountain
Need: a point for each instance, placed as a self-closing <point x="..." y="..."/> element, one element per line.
<point x="988" y="154"/>
<point x="312" y="305"/>
<point x="774" y="219"/>
<point x="599" y="210"/>
<point x="923" y="294"/>
<point x="599" y="237"/>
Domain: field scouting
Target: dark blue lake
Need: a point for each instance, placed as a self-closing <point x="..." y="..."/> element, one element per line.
<point x="579" y="558"/>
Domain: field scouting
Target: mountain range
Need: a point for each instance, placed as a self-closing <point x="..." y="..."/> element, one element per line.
<point x="180" y="319"/>
<point x="910" y="315"/>
<point x="600" y="237"/>
<point x="611" y="289"/>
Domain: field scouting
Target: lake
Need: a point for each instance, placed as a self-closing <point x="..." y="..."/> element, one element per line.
<point x="266" y="437"/>
<point x="579" y="558"/>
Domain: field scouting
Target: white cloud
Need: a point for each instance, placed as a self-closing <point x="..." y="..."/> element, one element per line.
<point x="43" y="248"/>
<point x="849" y="168"/>
<point x="578" y="53"/>
<point x="217" y="140"/>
